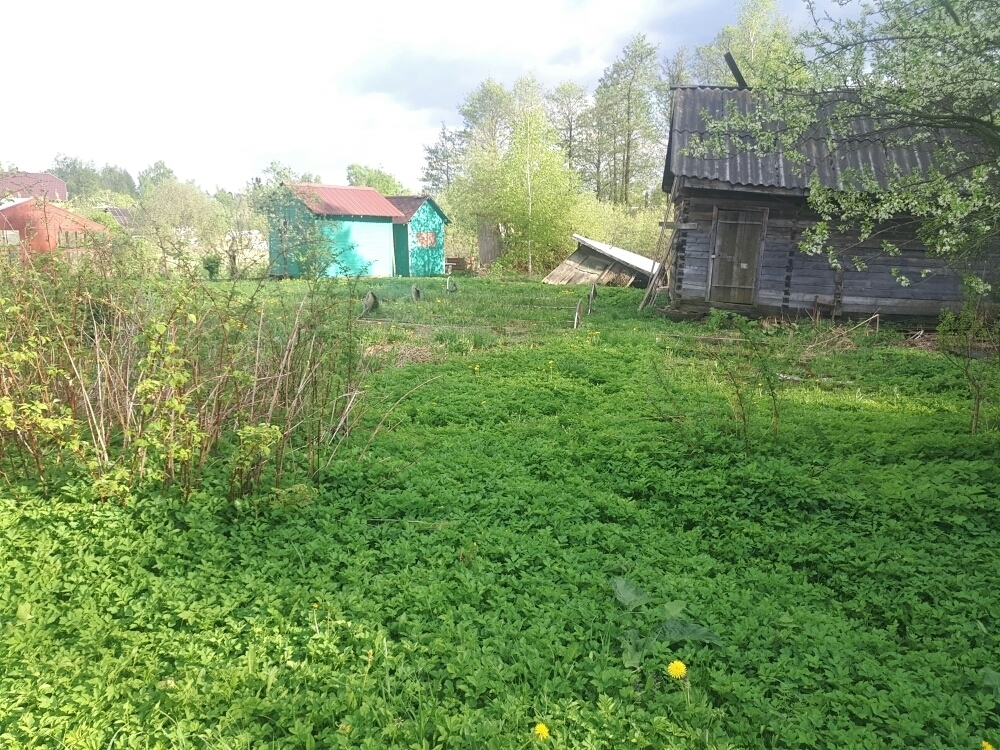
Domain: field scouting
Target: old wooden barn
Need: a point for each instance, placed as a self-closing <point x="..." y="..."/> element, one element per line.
<point x="749" y="213"/>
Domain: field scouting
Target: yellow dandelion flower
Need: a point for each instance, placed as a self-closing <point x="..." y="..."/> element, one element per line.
<point x="987" y="745"/>
<point x="541" y="731"/>
<point x="677" y="669"/>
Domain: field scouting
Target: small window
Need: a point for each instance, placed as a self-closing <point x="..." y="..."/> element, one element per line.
<point x="10" y="237"/>
<point x="427" y="239"/>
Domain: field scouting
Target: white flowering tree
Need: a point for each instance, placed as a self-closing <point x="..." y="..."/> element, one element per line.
<point x="928" y="74"/>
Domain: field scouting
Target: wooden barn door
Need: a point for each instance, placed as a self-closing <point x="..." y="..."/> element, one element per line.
<point x="736" y="250"/>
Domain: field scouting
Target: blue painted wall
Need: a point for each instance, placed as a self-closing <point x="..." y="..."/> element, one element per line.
<point x="363" y="247"/>
<point x="360" y="246"/>
<point x="426" y="259"/>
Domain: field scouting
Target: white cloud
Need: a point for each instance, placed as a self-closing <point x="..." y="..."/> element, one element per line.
<point x="218" y="89"/>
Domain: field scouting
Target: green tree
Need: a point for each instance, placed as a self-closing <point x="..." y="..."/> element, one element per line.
<point x="443" y="160"/>
<point x="294" y="238"/>
<point x="675" y="71"/>
<point x="762" y="44"/>
<point x="624" y="152"/>
<point x="566" y="106"/>
<point x="182" y="221"/>
<point x="921" y="75"/>
<point x="153" y="175"/>
<point x="519" y="182"/>
<point x="373" y="177"/>
<point x="118" y="180"/>
<point x="81" y="177"/>
<point x="488" y="113"/>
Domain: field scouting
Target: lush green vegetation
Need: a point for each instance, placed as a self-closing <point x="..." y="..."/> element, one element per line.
<point x="446" y="581"/>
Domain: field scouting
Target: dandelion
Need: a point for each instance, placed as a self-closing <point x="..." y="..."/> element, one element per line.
<point x="542" y="732"/>
<point x="315" y="605"/>
<point x="987" y="745"/>
<point x="677" y="669"/>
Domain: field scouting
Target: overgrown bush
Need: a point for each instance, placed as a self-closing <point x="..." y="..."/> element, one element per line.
<point x="971" y="341"/>
<point x="124" y="381"/>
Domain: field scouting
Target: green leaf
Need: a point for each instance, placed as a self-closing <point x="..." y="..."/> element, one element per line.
<point x="670" y="610"/>
<point x="630" y="595"/>
<point x="992" y="679"/>
<point x="674" y="630"/>
<point x="635" y="646"/>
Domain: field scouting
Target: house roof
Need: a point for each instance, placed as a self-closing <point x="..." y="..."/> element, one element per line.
<point x="864" y="148"/>
<point x="10" y="203"/>
<point x="44" y="213"/>
<point x="627" y="258"/>
<point x="329" y="200"/>
<point x="33" y="185"/>
<point x="410" y="204"/>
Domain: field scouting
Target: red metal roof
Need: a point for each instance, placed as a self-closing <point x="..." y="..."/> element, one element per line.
<point x="328" y="200"/>
<point x="33" y="185"/>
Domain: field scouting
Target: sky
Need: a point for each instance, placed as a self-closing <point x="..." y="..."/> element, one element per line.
<point x="220" y="89"/>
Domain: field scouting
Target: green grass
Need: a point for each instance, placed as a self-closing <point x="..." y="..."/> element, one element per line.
<point x="449" y="586"/>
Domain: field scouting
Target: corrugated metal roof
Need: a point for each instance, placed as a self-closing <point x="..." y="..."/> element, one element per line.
<point x="410" y="204"/>
<point x="33" y="185"/>
<point x="407" y="204"/>
<point x="625" y="257"/>
<point x="861" y="149"/>
<point x="328" y="200"/>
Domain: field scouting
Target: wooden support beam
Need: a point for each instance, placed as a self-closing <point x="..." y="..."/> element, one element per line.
<point x="681" y="225"/>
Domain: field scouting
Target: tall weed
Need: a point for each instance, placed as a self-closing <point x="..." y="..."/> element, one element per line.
<point x="129" y="381"/>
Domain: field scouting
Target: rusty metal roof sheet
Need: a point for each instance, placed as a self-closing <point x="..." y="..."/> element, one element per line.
<point x="328" y="200"/>
<point x="864" y="148"/>
<point x="33" y="185"/>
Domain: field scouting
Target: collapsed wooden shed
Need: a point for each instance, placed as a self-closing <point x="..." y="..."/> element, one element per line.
<point x="602" y="264"/>
<point x="742" y="216"/>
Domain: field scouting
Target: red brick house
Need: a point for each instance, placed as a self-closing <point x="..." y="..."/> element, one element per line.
<point x="36" y="225"/>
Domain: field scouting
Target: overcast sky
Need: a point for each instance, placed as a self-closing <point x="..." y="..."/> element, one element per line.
<point x="219" y="89"/>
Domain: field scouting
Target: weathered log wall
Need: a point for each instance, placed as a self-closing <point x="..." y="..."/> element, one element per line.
<point x="792" y="282"/>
